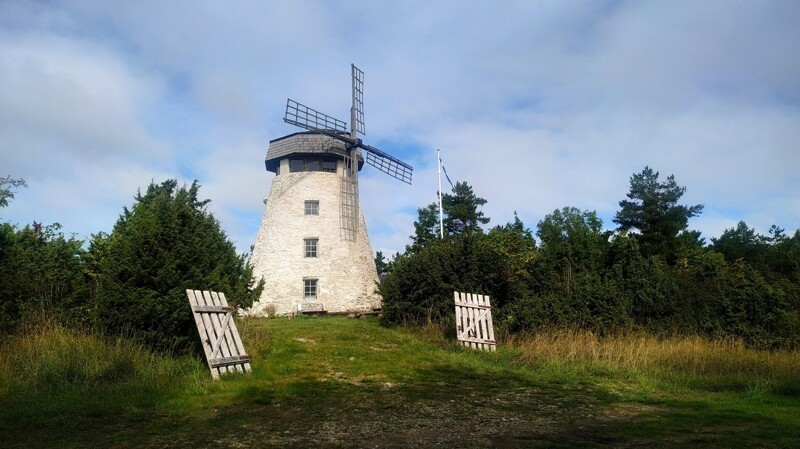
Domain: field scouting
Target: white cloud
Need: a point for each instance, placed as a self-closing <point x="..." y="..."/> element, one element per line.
<point x="537" y="105"/>
<point x="62" y="96"/>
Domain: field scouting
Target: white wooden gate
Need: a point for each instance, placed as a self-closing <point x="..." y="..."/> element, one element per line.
<point x="221" y="342"/>
<point x="474" y="321"/>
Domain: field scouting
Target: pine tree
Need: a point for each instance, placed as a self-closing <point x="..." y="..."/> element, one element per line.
<point x="461" y="207"/>
<point x="652" y="209"/>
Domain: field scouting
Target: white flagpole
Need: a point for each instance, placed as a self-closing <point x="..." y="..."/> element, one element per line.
<point x="441" y="220"/>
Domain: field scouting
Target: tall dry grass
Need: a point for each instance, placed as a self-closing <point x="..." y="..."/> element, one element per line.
<point x="723" y="362"/>
<point x="46" y="356"/>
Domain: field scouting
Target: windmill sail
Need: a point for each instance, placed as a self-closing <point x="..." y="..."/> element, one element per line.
<point x="388" y="164"/>
<point x="313" y="120"/>
<point x="300" y="115"/>
<point x="358" y="100"/>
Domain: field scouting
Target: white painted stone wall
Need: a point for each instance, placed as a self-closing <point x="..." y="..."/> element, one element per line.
<point x="345" y="271"/>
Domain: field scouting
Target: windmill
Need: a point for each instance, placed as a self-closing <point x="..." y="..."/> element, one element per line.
<point x="312" y="248"/>
<point x="312" y="120"/>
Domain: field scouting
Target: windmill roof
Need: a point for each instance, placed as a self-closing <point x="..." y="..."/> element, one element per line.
<point x="305" y="143"/>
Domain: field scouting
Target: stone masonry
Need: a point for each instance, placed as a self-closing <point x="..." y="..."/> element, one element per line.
<point x="344" y="270"/>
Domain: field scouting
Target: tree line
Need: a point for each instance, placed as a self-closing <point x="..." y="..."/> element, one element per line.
<point x="130" y="282"/>
<point x="652" y="273"/>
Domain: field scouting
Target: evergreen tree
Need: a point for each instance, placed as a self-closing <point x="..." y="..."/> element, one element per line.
<point x="381" y="264"/>
<point x="572" y="241"/>
<point x="165" y="244"/>
<point x="514" y="245"/>
<point x="461" y="217"/>
<point x="741" y="242"/>
<point x="652" y="209"/>
<point x="40" y="270"/>
<point x="461" y="208"/>
<point x="426" y="228"/>
<point x="583" y="277"/>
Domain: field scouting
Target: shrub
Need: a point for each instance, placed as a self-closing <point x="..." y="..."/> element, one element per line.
<point x="165" y="244"/>
<point x="420" y="288"/>
<point x="39" y="269"/>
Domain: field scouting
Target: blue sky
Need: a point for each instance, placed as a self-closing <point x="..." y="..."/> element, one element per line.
<point x="537" y="104"/>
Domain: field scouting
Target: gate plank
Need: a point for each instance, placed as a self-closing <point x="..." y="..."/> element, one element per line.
<point x="225" y="330"/>
<point x="204" y="329"/>
<point x="474" y="327"/>
<point x="237" y="340"/>
<point x="212" y="324"/>
<point x="228" y="329"/>
<point x="222" y="345"/>
<point x="220" y="332"/>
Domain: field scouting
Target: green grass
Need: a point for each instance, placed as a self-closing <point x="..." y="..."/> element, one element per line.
<point x="337" y="382"/>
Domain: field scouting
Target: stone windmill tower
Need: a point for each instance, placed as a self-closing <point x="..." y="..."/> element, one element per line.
<point x="312" y="248"/>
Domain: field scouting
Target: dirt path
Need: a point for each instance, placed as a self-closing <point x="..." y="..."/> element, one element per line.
<point x="391" y="418"/>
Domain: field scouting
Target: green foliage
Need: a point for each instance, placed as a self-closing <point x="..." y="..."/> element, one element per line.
<point x="420" y="285"/>
<point x="381" y="264"/>
<point x="514" y="246"/>
<point x="568" y="286"/>
<point x="167" y="243"/>
<point x="461" y="207"/>
<point x="419" y="289"/>
<point x="573" y="242"/>
<point x="775" y="256"/>
<point x="785" y="258"/>
<point x="40" y="269"/>
<point x="6" y="185"/>
<point x="764" y="313"/>
<point x="461" y="216"/>
<point x="663" y="279"/>
<point x="742" y="242"/>
<point x="426" y="228"/>
<point x="652" y="209"/>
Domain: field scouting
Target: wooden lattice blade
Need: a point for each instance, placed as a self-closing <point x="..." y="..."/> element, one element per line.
<point x="358" y="98"/>
<point x="312" y="120"/>
<point x="388" y="164"/>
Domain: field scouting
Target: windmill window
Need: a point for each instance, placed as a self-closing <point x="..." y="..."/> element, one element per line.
<point x="309" y="288"/>
<point x="311" y="247"/>
<point x="313" y="165"/>
<point x="296" y="165"/>
<point x="312" y="207"/>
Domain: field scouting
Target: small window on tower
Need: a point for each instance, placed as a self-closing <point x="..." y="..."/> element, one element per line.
<point x="311" y="247"/>
<point x="313" y="165"/>
<point x="329" y="166"/>
<point x="309" y="288"/>
<point x="296" y="165"/>
<point x="312" y="207"/>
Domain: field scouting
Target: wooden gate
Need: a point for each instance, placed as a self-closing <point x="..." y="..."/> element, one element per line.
<point x="474" y="321"/>
<point x="221" y="342"/>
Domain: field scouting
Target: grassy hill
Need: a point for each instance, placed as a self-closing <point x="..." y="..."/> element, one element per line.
<point x="337" y="382"/>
